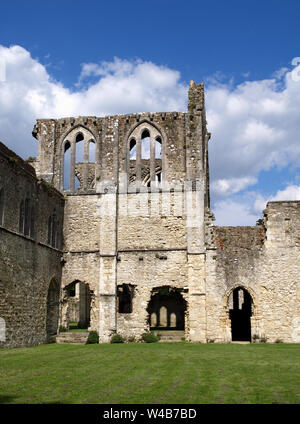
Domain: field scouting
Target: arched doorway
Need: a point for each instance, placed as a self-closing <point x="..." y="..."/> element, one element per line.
<point x="52" y="308"/>
<point x="166" y="309"/>
<point x="78" y="298"/>
<point x="240" y="311"/>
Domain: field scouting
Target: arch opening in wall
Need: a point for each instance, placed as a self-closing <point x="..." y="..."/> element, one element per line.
<point x="145" y="155"/>
<point x="79" y="158"/>
<point x="79" y="155"/>
<point x="27" y="218"/>
<point x="54" y="231"/>
<point x="79" y="148"/>
<point x="240" y="312"/>
<point x="125" y="293"/>
<point x="52" y="309"/>
<point x="92" y="151"/>
<point x="158" y="148"/>
<point x="78" y="311"/>
<point x="145" y="144"/>
<point x="67" y="164"/>
<point x="166" y="309"/>
<point x="132" y="149"/>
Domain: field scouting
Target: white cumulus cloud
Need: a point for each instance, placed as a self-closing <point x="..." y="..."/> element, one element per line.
<point x="255" y="125"/>
<point x="121" y="86"/>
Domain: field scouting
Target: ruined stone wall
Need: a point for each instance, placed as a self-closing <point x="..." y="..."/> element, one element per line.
<point x="111" y="137"/>
<point x="81" y="223"/>
<point x="27" y="262"/>
<point x="116" y="233"/>
<point x="151" y="221"/>
<point x="265" y="262"/>
<point x="147" y="270"/>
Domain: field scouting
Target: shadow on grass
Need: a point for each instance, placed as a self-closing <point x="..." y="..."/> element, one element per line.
<point x="6" y="399"/>
<point x="53" y="403"/>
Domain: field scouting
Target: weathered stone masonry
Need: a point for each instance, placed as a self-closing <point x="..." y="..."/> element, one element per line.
<point x="134" y="255"/>
<point x="28" y="262"/>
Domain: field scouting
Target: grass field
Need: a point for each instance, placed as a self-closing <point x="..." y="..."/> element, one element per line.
<point x="151" y="373"/>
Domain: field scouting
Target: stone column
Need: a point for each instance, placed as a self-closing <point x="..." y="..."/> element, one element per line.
<point x="86" y="163"/>
<point x="108" y="235"/>
<point x="138" y="162"/>
<point x="44" y="132"/>
<point x="195" y="188"/>
<point x="72" y="165"/>
<point x="152" y="158"/>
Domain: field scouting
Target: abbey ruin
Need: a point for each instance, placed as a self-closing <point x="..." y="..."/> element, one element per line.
<point x="110" y="227"/>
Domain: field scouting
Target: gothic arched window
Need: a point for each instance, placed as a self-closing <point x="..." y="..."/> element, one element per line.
<point x="145" y="155"/>
<point x="27" y="218"/>
<point x="78" y="158"/>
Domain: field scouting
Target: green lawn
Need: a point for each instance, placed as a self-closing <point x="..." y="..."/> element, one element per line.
<point x="151" y="373"/>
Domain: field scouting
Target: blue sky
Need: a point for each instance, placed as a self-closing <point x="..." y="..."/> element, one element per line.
<point x="198" y="38"/>
<point x="99" y="57"/>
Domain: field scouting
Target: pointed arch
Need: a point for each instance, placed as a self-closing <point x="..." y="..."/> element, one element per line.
<point x="77" y="304"/>
<point x="166" y="309"/>
<point x="240" y="306"/>
<point x="82" y="147"/>
<point x="141" y="152"/>
<point x="52" y="314"/>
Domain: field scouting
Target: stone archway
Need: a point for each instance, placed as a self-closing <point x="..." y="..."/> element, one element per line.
<point x="77" y="305"/>
<point x="240" y="312"/>
<point x="166" y="309"/>
<point x="52" y="316"/>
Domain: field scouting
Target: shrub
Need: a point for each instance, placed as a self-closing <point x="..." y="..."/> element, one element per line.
<point x="278" y="341"/>
<point x="131" y="339"/>
<point x="93" y="338"/>
<point x="150" y="338"/>
<point x="117" y="338"/>
<point x="62" y="329"/>
<point x="259" y="339"/>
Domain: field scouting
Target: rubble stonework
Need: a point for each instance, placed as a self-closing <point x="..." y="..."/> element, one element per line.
<point x="139" y="250"/>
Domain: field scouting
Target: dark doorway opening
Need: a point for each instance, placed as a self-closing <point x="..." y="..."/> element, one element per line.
<point x="166" y="309"/>
<point x="125" y="294"/>
<point x="52" y="309"/>
<point x="240" y="315"/>
<point x="78" y="295"/>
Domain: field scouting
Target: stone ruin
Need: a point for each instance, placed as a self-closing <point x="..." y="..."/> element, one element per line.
<point x="110" y="227"/>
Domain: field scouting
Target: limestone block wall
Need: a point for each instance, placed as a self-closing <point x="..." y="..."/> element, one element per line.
<point x="82" y="223"/>
<point x="83" y="267"/>
<point x="26" y="270"/>
<point x="184" y="142"/>
<point x="111" y="138"/>
<point x="265" y="261"/>
<point x="27" y="262"/>
<point x="146" y="270"/>
<point x="151" y="221"/>
<point x="82" y="251"/>
<point x="280" y="284"/>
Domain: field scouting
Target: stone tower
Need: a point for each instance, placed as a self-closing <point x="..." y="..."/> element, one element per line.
<point x="137" y="190"/>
